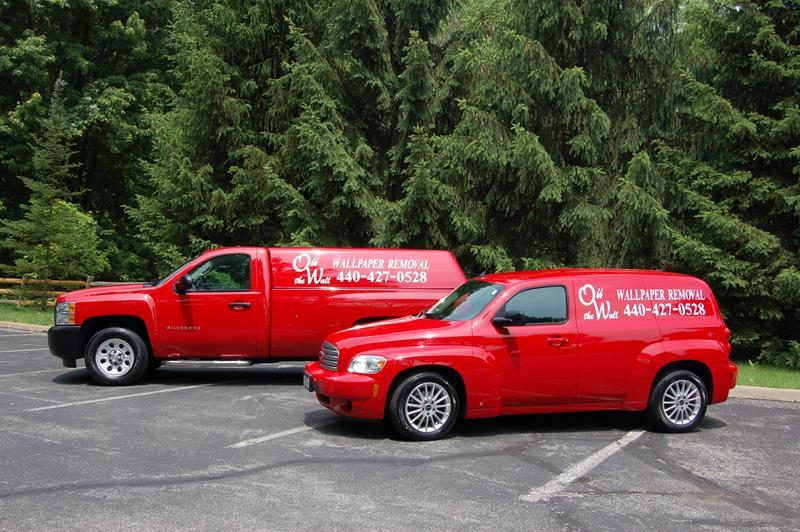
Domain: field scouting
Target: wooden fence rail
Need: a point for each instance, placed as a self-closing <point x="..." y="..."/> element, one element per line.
<point x="31" y="286"/>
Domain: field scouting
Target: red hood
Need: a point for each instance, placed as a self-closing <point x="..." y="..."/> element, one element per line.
<point x="87" y="293"/>
<point x="409" y="331"/>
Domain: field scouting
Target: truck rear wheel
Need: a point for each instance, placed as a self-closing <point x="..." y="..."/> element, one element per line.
<point x="424" y="406"/>
<point x="678" y="402"/>
<point x="116" y="357"/>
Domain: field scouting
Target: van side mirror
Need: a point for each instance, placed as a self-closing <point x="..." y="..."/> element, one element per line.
<point x="510" y="318"/>
<point x="501" y="322"/>
<point x="183" y="284"/>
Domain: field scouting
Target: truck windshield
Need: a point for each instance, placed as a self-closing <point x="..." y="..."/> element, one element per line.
<point x="157" y="282"/>
<point x="465" y="302"/>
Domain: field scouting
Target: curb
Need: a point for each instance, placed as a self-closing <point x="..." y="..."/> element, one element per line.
<point x="24" y="326"/>
<point x="770" y="394"/>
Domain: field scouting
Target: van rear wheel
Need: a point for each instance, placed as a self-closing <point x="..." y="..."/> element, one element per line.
<point x="424" y="406"/>
<point x="116" y="357"/>
<point x="678" y="402"/>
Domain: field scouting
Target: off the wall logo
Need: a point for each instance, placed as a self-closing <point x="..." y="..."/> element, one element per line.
<point x="309" y="265"/>
<point x="589" y="296"/>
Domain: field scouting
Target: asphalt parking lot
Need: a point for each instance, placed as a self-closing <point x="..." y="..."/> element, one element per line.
<point x="250" y="449"/>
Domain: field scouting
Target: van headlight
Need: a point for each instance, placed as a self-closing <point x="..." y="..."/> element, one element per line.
<point x="367" y="364"/>
<point x="65" y="313"/>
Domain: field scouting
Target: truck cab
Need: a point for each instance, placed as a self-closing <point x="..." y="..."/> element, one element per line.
<point x="243" y="305"/>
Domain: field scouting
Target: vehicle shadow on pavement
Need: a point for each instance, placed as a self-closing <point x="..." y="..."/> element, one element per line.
<point x="510" y="425"/>
<point x="192" y="376"/>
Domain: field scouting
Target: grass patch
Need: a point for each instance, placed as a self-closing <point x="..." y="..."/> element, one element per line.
<point x="768" y="376"/>
<point x="31" y="315"/>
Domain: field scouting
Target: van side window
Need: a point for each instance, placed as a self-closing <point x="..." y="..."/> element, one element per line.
<point x="224" y="273"/>
<point x="540" y="305"/>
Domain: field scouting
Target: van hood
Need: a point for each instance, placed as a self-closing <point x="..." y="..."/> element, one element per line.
<point x="415" y="331"/>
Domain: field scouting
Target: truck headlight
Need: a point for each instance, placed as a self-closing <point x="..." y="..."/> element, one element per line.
<point x="367" y="364"/>
<point x="65" y="313"/>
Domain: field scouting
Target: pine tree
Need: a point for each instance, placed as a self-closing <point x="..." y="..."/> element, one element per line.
<point x="54" y="237"/>
<point x="111" y="55"/>
<point x="733" y="167"/>
<point x="539" y="136"/>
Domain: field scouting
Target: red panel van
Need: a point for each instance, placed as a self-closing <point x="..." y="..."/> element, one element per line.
<point x="536" y="342"/>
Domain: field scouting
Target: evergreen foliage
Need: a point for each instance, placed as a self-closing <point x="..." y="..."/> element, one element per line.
<point x="54" y="238"/>
<point x="733" y="164"/>
<point x="517" y="133"/>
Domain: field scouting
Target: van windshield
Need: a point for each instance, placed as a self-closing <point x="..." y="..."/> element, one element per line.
<point x="465" y="302"/>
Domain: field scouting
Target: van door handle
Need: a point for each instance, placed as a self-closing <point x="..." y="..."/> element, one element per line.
<point x="239" y="305"/>
<point x="557" y="341"/>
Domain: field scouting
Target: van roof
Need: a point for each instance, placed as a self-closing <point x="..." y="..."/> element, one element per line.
<point x="522" y="276"/>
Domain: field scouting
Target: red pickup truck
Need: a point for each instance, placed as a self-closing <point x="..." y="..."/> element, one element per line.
<point x="536" y="342"/>
<point x="239" y="306"/>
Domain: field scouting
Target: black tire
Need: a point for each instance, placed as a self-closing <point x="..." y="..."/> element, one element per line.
<point x="152" y="365"/>
<point x="127" y="357"/>
<point x="417" y="384"/>
<point x="672" y="410"/>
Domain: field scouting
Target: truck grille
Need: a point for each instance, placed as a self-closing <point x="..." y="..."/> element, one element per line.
<point x="329" y="356"/>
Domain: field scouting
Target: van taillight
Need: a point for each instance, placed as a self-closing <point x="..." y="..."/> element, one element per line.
<point x="727" y="335"/>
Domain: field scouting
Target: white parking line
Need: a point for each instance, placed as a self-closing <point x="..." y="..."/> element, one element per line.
<point x="570" y="475"/>
<point x="23" y="350"/>
<point x="31" y="372"/>
<point x="276" y="435"/>
<point x="30" y="397"/>
<point x="20" y="334"/>
<point x="141" y="394"/>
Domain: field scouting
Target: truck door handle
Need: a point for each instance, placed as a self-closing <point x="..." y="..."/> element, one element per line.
<point x="557" y="341"/>
<point x="239" y="305"/>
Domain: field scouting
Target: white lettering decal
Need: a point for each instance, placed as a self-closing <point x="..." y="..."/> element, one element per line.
<point x="305" y="263"/>
<point x="591" y="297"/>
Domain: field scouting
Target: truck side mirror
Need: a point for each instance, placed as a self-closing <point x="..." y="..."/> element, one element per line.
<point x="183" y="284"/>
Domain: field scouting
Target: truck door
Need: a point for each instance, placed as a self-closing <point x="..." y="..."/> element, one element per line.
<point x="539" y="361"/>
<point x="221" y="315"/>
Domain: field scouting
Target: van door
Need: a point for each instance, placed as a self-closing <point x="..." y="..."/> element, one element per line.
<point x="221" y="315"/>
<point x="539" y="361"/>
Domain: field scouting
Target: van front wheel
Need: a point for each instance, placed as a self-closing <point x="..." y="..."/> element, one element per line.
<point x="116" y="357"/>
<point x="678" y="402"/>
<point x="424" y="406"/>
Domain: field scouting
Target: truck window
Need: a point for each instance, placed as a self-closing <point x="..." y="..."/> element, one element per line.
<point x="225" y="273"/>
<point x="540" y="305"/>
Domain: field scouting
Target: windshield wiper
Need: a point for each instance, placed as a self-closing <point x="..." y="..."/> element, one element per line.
<point x="433" y="315"/>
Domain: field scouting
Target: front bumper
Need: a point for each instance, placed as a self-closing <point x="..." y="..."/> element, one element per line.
<point x="348" y="394"/>
<point x="66" y="342"/>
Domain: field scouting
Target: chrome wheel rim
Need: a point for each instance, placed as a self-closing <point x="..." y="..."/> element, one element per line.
<point x="428" y="407"/>
<point x="114" y="357"/>
<point x="681" y="402"/>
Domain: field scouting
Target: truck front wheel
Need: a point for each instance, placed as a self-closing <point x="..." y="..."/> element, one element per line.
<point x="116" y="357"/>
<point x="424" y="406"/>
